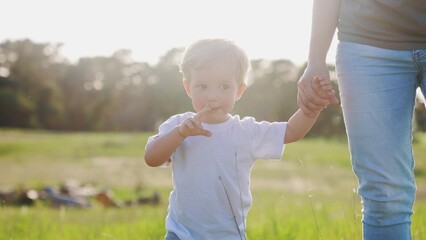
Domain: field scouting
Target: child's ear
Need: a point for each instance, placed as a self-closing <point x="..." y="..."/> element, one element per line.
<point x="187" y="88"/>
<point x="240" y="91"/>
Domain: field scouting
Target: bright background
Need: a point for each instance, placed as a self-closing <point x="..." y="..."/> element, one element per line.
<point x="269" y="29"/>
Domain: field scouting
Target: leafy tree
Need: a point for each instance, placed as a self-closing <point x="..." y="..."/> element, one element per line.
<point x="34" y="69"/>
<point x="271" y="92"/>
<point x="169" y="95"/>
<point x="15" y="109"/>
<point x="40" y="89"/>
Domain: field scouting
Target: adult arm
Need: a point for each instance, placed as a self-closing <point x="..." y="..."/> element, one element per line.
<point x="325" y="16"/>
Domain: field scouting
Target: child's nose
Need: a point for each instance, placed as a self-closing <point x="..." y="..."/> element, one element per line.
<point x="212" y="95"/>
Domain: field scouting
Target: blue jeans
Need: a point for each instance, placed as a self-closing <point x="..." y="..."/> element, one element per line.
<point x="377" y="90"/>
<point x="171" y="236"/>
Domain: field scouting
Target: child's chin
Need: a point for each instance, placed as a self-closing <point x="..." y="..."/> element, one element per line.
<point x="218" y="117"/>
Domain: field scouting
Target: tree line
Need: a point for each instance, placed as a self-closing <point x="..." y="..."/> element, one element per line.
<point x="40" y="89"/>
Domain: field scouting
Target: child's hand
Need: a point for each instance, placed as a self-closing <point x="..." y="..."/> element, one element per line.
<point x="192" y="126"/>
<point x="322" y="86"/>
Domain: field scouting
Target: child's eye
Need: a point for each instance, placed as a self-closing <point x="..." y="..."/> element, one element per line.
<point x="224" y="86"/>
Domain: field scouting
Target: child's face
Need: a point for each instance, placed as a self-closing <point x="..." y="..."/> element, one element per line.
<point x="216" y="86"/>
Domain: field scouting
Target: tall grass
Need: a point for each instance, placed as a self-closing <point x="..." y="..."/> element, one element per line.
<point x="272" y="217"/>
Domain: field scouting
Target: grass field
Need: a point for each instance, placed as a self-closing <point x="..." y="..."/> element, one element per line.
<point x="310" y="194"/>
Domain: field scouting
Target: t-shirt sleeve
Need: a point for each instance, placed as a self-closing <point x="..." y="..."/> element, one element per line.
<point x="168" y="126"/>
<point x="267" y="139"/>
<point x="165" y="128"/>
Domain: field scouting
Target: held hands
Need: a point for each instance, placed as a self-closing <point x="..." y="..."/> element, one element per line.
<point x="315" y="93"/>
<point x="192" y="126"/>
<point x="323" y="88"/>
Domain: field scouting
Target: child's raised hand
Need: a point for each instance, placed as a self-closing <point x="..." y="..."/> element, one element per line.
<point x="192" y="126"/>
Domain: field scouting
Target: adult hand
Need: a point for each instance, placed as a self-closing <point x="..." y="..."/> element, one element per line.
<point x="192" y="126"/>
<point x="307" y="99"/>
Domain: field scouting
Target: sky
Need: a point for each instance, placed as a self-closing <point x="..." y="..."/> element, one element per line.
<point x="268" y="29"/>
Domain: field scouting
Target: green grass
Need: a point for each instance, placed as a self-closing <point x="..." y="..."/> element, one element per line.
<point x="17" y="145"/>
<point x="96" y="223"/>
<point x="307" y="195"/>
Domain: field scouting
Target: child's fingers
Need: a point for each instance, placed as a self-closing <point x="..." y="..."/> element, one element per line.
<point x="332" y="98"/>
<point x="319" y="78"/>
<point x="312" y="101"/>
<point x="327" y="87"/>
<point x="192" y="127"/>
<point x="190" y="123"/>
<point x="325" y="82"/>
<point x="196" y="122"/>
<point x="199" y="131"/>
<point x="312" y="98"/>
<point x="205" y="109"/>
<point x="324" y="89"/>
<point x="331" y="93"/>
<point x="204" y="132"/>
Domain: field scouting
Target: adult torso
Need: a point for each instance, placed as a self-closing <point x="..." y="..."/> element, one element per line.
<point x="394" y="24"/>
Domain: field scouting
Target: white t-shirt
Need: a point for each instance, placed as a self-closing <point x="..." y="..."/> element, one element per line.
<point x="211" y="175"/>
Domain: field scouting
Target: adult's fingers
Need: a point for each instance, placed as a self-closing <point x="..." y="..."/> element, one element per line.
<point x="313" y="105"/>
<point x="301" y="101"/>
<point x="306" y="110"/>
<point x="311" y="98"/>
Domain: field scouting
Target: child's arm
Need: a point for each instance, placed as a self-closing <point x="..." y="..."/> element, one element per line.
<point x="300" y="123"/>
<point x="159" y="150"/>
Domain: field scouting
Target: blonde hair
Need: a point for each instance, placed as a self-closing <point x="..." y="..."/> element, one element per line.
<point x="203" y="53"/>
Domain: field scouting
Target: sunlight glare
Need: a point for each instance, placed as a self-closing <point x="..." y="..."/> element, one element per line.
<point x="270" y="29"/>
<point x="4" y="72"/>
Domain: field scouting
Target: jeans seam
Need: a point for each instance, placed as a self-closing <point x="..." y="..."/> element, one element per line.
<point x="417" y="63"/>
